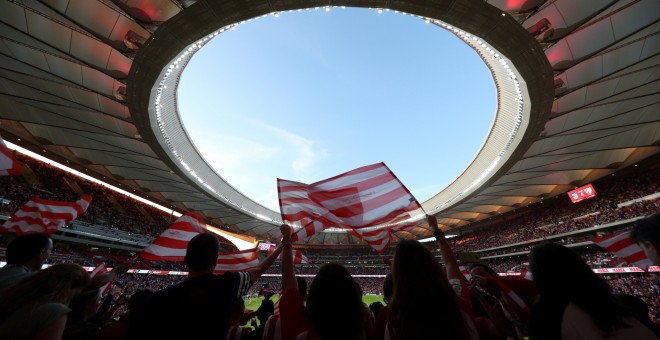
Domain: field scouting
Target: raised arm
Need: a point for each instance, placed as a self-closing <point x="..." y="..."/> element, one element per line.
<point x="453" y="271"/>
<point x="255" y="273"/>
<point x="288" y="275"/>
<point x="105" y="278"/>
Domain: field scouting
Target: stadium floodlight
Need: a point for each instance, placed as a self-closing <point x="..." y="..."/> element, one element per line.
<point x="429" y="239"/>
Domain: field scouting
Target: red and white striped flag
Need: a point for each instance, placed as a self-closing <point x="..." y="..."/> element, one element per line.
<point x="379" y="239"/>
<point x="45" y="216"/>
<point x="100" y="270"/>
<point x="526" y="274"/>
<point x="464" y="270"/>
<point x="237" y="261"/>
<point x="365" y="200"/>
<point x="305" y="215"/>
<point x="624" y="248"/>
<point x="172" y="243"/>
<point x="298" y="256"/>
<point x="9" y="166"/>
<point x="510" y="300"/>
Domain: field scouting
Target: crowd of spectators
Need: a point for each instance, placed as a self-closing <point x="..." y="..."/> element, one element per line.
<point x="108" y="209"/>
<point x="558" y="215"/>
<point x="644" y="286"/>
<point x="540" y="221"/>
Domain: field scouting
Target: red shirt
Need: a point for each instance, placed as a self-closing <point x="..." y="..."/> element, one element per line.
<point x="294" y="317"/>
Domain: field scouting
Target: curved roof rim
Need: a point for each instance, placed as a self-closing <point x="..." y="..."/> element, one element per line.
<point x="522" y="76"/>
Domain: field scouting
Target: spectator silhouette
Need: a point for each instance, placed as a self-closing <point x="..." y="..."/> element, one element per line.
<point x="117" y="329"/>
<point x="236" y="331"/>
<point x="574" y="303"/>
<point x="200" y="306"/>
<point x="334" y="302"/>
<point x="25" y="255"/>
<point x="638" y="309"/>
<point x="514" y="298"/>
<point x="647" y="234"/>
<point x="36" y="307"/>
<point x="423" y="304"/>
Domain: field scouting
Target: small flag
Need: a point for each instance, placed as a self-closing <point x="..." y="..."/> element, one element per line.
<point x="526" y="274"/>
<point x="100" y="270"/>
<point x="45" y="216"/>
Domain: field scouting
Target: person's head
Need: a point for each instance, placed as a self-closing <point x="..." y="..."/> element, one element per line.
<point x="202" y="253"/>
<point x="638" y="309"/>
<point x="422" y="298"/>
<point x="375" y="307"/>
<point x="302" y="287"/>
<point x="387" y="288"/>
<point x="59" y="283"/>
<point x="266" y="309"/>
<point x="561" y="276"/>
<point x="334" y="299"/>
<point x="29" y="250"/>
<point x="646" y="233"/>
<point x="483" y="276"/>
<point x="84" y="305"/>
<point x="138" y="298"/>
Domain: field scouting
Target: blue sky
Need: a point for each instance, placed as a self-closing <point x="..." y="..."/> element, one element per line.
<point x="309" y="95"/>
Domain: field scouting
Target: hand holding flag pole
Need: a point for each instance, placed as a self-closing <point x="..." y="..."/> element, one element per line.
<point x="451" y="263"/>
<point x="288" y="274"/>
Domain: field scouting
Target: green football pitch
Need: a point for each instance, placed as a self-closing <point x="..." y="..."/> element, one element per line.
<point x="253" y="303"/>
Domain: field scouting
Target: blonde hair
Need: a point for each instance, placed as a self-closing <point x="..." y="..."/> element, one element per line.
<point x="54" y="284"/>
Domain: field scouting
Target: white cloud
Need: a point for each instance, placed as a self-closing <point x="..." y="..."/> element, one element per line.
<point x="252" y="161"/>
<point x="304" y="153"/>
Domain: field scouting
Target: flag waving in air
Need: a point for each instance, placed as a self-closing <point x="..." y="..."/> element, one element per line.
<point x="237" y="261"/>
<point x="172" y="243"/>
<point x="9" y="166"/>
<point x="624" y="248"/>
<point x="45" y="216"/>
<point x="370" y="201"/>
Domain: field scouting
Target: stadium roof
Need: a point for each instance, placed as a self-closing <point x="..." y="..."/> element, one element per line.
<point x="79" y="80"/>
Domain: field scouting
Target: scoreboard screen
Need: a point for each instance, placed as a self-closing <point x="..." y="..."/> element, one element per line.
<point x="582" y="193"/>
<point x="265" y="246"/>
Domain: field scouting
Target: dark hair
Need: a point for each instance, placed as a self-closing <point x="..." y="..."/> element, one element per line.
<point x="638" y="309"/>
<point x="375" y="307"/>
<point x="202" y="252"/>
<point x="266" y="309"/>
<point x="333" y="300"/>
<point x="387" y="288"/>
<point x="561" y="277"/>
<point x="647" y="230"/>
<point x="83" y="302"/>
<point x="302" y="287"/>
<point x="138" y="298"/>
<point x="25" y="247"/>
<point x="422" y="298"/>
